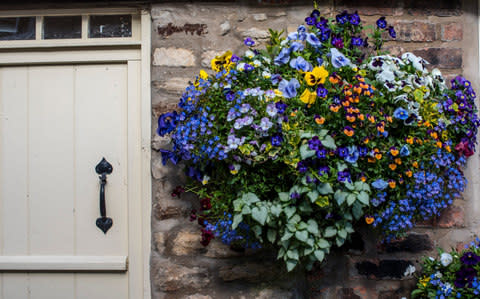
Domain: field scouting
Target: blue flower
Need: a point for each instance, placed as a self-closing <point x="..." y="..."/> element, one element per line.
<point x="338" y="59"/>
<point x="357" y="41"/>
<point x="404" y="151"/>
<point x="381" y="23"/>
<point x="313" y="40"/>
<point x="322" y="92"/>
<point x="354" y="19"/>
<point x="352" y="155"/>
<point x="392" y="32"/>
<point x="167" y="123"/>
<point x="276" y="140"/>
<point x="249" y="42"/>
<point x="380" y="184"/>
<point x="283" y="57"/>
<point x="289" y="88"/>
<point x="296" y="47"/>
<point x="400" y="113"/>
<point x="342" y="18"/>
<point x="300" y="63"/>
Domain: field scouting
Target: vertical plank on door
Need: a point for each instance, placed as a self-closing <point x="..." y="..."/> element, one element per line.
<point x="51" y="181"/>
<point x="13" y="175"/>
<point x="101" y="131"/>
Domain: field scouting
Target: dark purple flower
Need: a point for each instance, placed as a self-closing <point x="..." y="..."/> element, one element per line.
<point x="337" y="42"/>
<point x="363" y="151"/>
<point x="381" y="23"/>
<point x="314" y="143"/>
<point x="234" y="58"/>
<point x="276" y="140"/>
<point x="470" y="259"/>
<point x="322" y="170"/>
<point x="354" y="19"/>
<point x="322" y="92"/>
<point x="168" y="155"/>
<point x="357" y="41"/>
<point x="342" y="152"/>
<point x="249" y="42"/>
<point x="321" y="153"/>
<point x="281" y="106"/>
<point x="392" y="32"/>
<point x="248" y="67"/>
<point x="230" y="96"/>
<point x="295" y="195"/>
<point x="310" y="21"/>
<point x="207" y="236"/>
<point x="342" y="18"/>
<point x="465" y="277"/>
<point x="302" y="167"/>
<point x="344" y="176"/>
<point x="315" y="13"/>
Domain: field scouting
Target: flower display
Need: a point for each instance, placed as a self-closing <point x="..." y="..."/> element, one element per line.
<point x="295" y="145"/>
<point x="453" y="275"/>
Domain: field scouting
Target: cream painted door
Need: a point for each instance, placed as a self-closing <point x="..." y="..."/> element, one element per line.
<point x="56" y="124"/>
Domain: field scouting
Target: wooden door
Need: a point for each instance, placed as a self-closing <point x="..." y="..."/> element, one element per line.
<point x="56" y="123"/>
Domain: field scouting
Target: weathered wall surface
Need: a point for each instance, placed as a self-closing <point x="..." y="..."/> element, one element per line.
<point x="185" y="37"/>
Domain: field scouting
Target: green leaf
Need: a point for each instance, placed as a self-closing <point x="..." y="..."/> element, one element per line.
<point x="295" y="219"/>
<point x="289" y="211"/>
<point x="291" y="264"/>
<point x="358" y="185"/>
<point x="341" y="166"/>
<point x="237" y="205"/>
<point x="236" y="220"/>
<point x="306" y="152"/>
<point x="312" y="195"/>
<point x="357" y="211"/>
<point x="246" y="210"/>
<point x="342" y="233"/>
<point x="286" y="236"/>
<point x="416" y="293"/>
<point x="349" y="186"/>
<point x="322" y="243"/>
<point x="284" y="196"/>
<point x="305" y="207"/>
<point x="366" y="187"/>
<point x="260" y="214"/>
<point x="307" y="135"/>
<point x="319" y="255"/>
<point x="340" y="197"/>
<point x="293" y="254"/>
<point x="281" y="253"/>
<point x="307" y="251"/>
<point x="325" y="188"/>
<point x="351" y="199"/>
<point x="276" y="210"/>
<point x="257" y="229"/>
<point x="312" y="227"/>
<point x="271" y="235"/>
<point x="250" y="198"/>
<point x="363" y="197"/>
<point x="330" y="231"/>
<point x="322" y="133"/>
<point x="339" y="241"/>
<point x="301" y="235"/>
<point x="328" y="142"/>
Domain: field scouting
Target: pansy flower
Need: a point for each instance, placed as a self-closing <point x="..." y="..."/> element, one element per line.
<point x="317" y="76"/>
<point x="348" y="131"/>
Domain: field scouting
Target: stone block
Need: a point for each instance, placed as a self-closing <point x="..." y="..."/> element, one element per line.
<point x="175" y="57"/>
<point x="441" y="8"/>
<point x="186" y="242"/>
<point x="369" y="7"/>
<point x="250" y="271"/>
<point x="197" y="296"/>
<point x="259" y="17"/>
<point x="256" y="33"/>
<point x="170" y="277"/>
<point x="452" y="31"/>
<point x="414" y="31"/>
<point x="216" y="249"/>
<point x="388" y="268"/>
<point x="448" y="58"/>
<point x="159" y="239"/>
<point x="453" y="216"/>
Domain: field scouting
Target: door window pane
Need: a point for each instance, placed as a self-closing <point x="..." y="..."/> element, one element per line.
<point x="110" y="26"/>
<point x="17" y="28"/>
<point x="62" y="27"/>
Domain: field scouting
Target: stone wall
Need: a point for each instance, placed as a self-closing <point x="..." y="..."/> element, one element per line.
<point x="185" y="36"/>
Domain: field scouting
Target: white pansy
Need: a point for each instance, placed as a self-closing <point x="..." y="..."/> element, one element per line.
<point x="410" y="270"/>
<point x="266" y="59"/>
<point x="249" y="54"/>
<point x="385" y="76"/>
<point x="438" y="274"/>
<point x="446" y="259"/>
<point x="241" y="66"/>
<point x="266" y="74"/>
<point x="257" y="63"/>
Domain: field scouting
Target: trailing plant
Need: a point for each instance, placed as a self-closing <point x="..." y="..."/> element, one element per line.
<point x="294" y="145"/>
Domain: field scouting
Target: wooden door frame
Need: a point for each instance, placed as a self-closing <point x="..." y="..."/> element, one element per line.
<point x="136" y="55"/>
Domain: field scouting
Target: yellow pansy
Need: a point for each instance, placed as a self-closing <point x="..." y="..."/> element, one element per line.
<point x="317" y="76"/>
<point x="308" y="97"/>
<point x="222" y="62"/>
<point x="203" y="75"/>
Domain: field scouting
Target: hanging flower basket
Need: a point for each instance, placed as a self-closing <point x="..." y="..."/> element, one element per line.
<point x="294" y="145"/>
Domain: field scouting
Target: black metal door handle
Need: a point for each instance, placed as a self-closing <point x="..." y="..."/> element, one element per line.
<point x="103" y="168"/>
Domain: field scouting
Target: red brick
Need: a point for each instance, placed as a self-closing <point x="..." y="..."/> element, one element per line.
<point x="452" y="31"/>
<point x="414" y="31"/>
<point x="452" y="216"/>
<point x="368" y="7"/>
<point x="447" y="58"/>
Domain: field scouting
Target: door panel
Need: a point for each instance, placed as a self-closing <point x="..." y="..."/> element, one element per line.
<point x="56" y="124"/>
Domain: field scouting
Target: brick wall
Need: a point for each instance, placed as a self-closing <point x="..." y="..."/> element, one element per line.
<point x="185" y="37"/>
